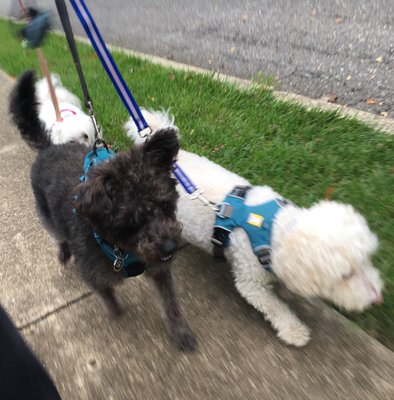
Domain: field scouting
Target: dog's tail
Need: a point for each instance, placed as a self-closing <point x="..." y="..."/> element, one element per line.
<point x="24" y="111"/>
<point x="156" y="120"/>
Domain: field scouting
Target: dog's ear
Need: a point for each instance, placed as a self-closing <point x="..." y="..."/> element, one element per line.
<point x="162" y="148"/>
<point x="95" y="200"/>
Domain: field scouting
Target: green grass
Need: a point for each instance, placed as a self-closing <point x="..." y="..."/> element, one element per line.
<point x="302" y="154"/>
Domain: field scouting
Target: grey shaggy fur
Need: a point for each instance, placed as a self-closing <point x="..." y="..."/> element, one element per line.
<point x="129" y="200"/>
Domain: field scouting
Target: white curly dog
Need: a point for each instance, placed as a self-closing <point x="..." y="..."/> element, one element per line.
<point x="75" y="125"/>
<point x="323" y="251"/>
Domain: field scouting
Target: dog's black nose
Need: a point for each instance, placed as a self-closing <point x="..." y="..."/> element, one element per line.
<point x="169" y="247"/>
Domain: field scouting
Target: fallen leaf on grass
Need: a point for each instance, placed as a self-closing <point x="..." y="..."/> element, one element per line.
<point x="338" y="20"/>
<point x="329" y="192"/>
<point x="379" y="59"/>
<point x="217" y="148"/>
<point x="372" y="101"/>
<point x="384" y="114"/>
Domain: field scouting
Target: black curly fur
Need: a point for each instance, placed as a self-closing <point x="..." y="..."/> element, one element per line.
<point x="130" y="200"/>
<point x="24" y="111"/>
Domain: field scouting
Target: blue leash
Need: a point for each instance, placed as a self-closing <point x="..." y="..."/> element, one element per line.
<point x="109" y="65"/>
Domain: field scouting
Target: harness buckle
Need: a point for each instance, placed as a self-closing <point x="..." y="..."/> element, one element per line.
<point x="263" y="254"/>
<point x="240" y="191"/>
<point x="224" y="210"/>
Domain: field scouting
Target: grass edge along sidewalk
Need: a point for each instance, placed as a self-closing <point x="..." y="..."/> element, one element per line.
<point x="306" y="155"/>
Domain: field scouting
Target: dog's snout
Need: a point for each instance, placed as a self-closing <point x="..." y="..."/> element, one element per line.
<point x="378" y="299"/>
<point x="169" y="247"/>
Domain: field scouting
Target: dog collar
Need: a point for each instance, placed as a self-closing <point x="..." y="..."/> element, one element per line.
<point x="256" y="221"/>
<point x="126" y="262"/>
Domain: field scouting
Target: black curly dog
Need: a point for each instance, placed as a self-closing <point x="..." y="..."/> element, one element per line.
<point x="130" y="201"/>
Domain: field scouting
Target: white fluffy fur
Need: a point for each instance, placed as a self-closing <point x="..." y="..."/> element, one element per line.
<point x="75" y="125"/>
<point x="322" y="251"/>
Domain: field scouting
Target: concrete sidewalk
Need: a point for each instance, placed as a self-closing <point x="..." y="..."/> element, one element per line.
<point x="239" y="357"/>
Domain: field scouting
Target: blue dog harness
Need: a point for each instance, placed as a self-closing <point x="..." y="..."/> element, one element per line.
<point x="256" y="221"/>
<point x="123" y="261"/>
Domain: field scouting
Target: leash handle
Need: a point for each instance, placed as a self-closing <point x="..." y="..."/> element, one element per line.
<point x="109" y="65"/>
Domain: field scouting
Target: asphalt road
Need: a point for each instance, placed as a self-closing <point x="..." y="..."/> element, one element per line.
<point x="317" y="48"/>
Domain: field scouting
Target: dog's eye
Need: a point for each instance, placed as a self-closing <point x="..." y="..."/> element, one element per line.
<point x="85" y="136"/>
<point x="347" y="276"/>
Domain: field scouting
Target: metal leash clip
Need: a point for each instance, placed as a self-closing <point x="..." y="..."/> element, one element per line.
<point x="224" y="210"/>
<point x="97" y="127"/>
<point x="197" y="194"/>
<point x="145" y="132"/>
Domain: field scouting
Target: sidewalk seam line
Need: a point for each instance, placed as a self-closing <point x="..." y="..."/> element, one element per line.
<point x="55" y="311"/>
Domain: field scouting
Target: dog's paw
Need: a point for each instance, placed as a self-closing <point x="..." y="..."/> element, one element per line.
<point x="64" y="253"/>
<point x="110" y="303"/>
<point x="184" y="339"/>
<point x="114" y="311"/>
<point x="295" y="334"/>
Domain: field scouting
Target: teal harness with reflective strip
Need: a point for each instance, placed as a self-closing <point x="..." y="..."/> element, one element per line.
<point x="256" y="221"/>
<point x="123" y="261"/>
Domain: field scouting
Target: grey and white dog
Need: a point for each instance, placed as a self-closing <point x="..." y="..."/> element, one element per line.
<point x="128" y="202"/>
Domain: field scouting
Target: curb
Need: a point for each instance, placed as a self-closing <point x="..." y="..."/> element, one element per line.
<point x="383" y="124"/>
